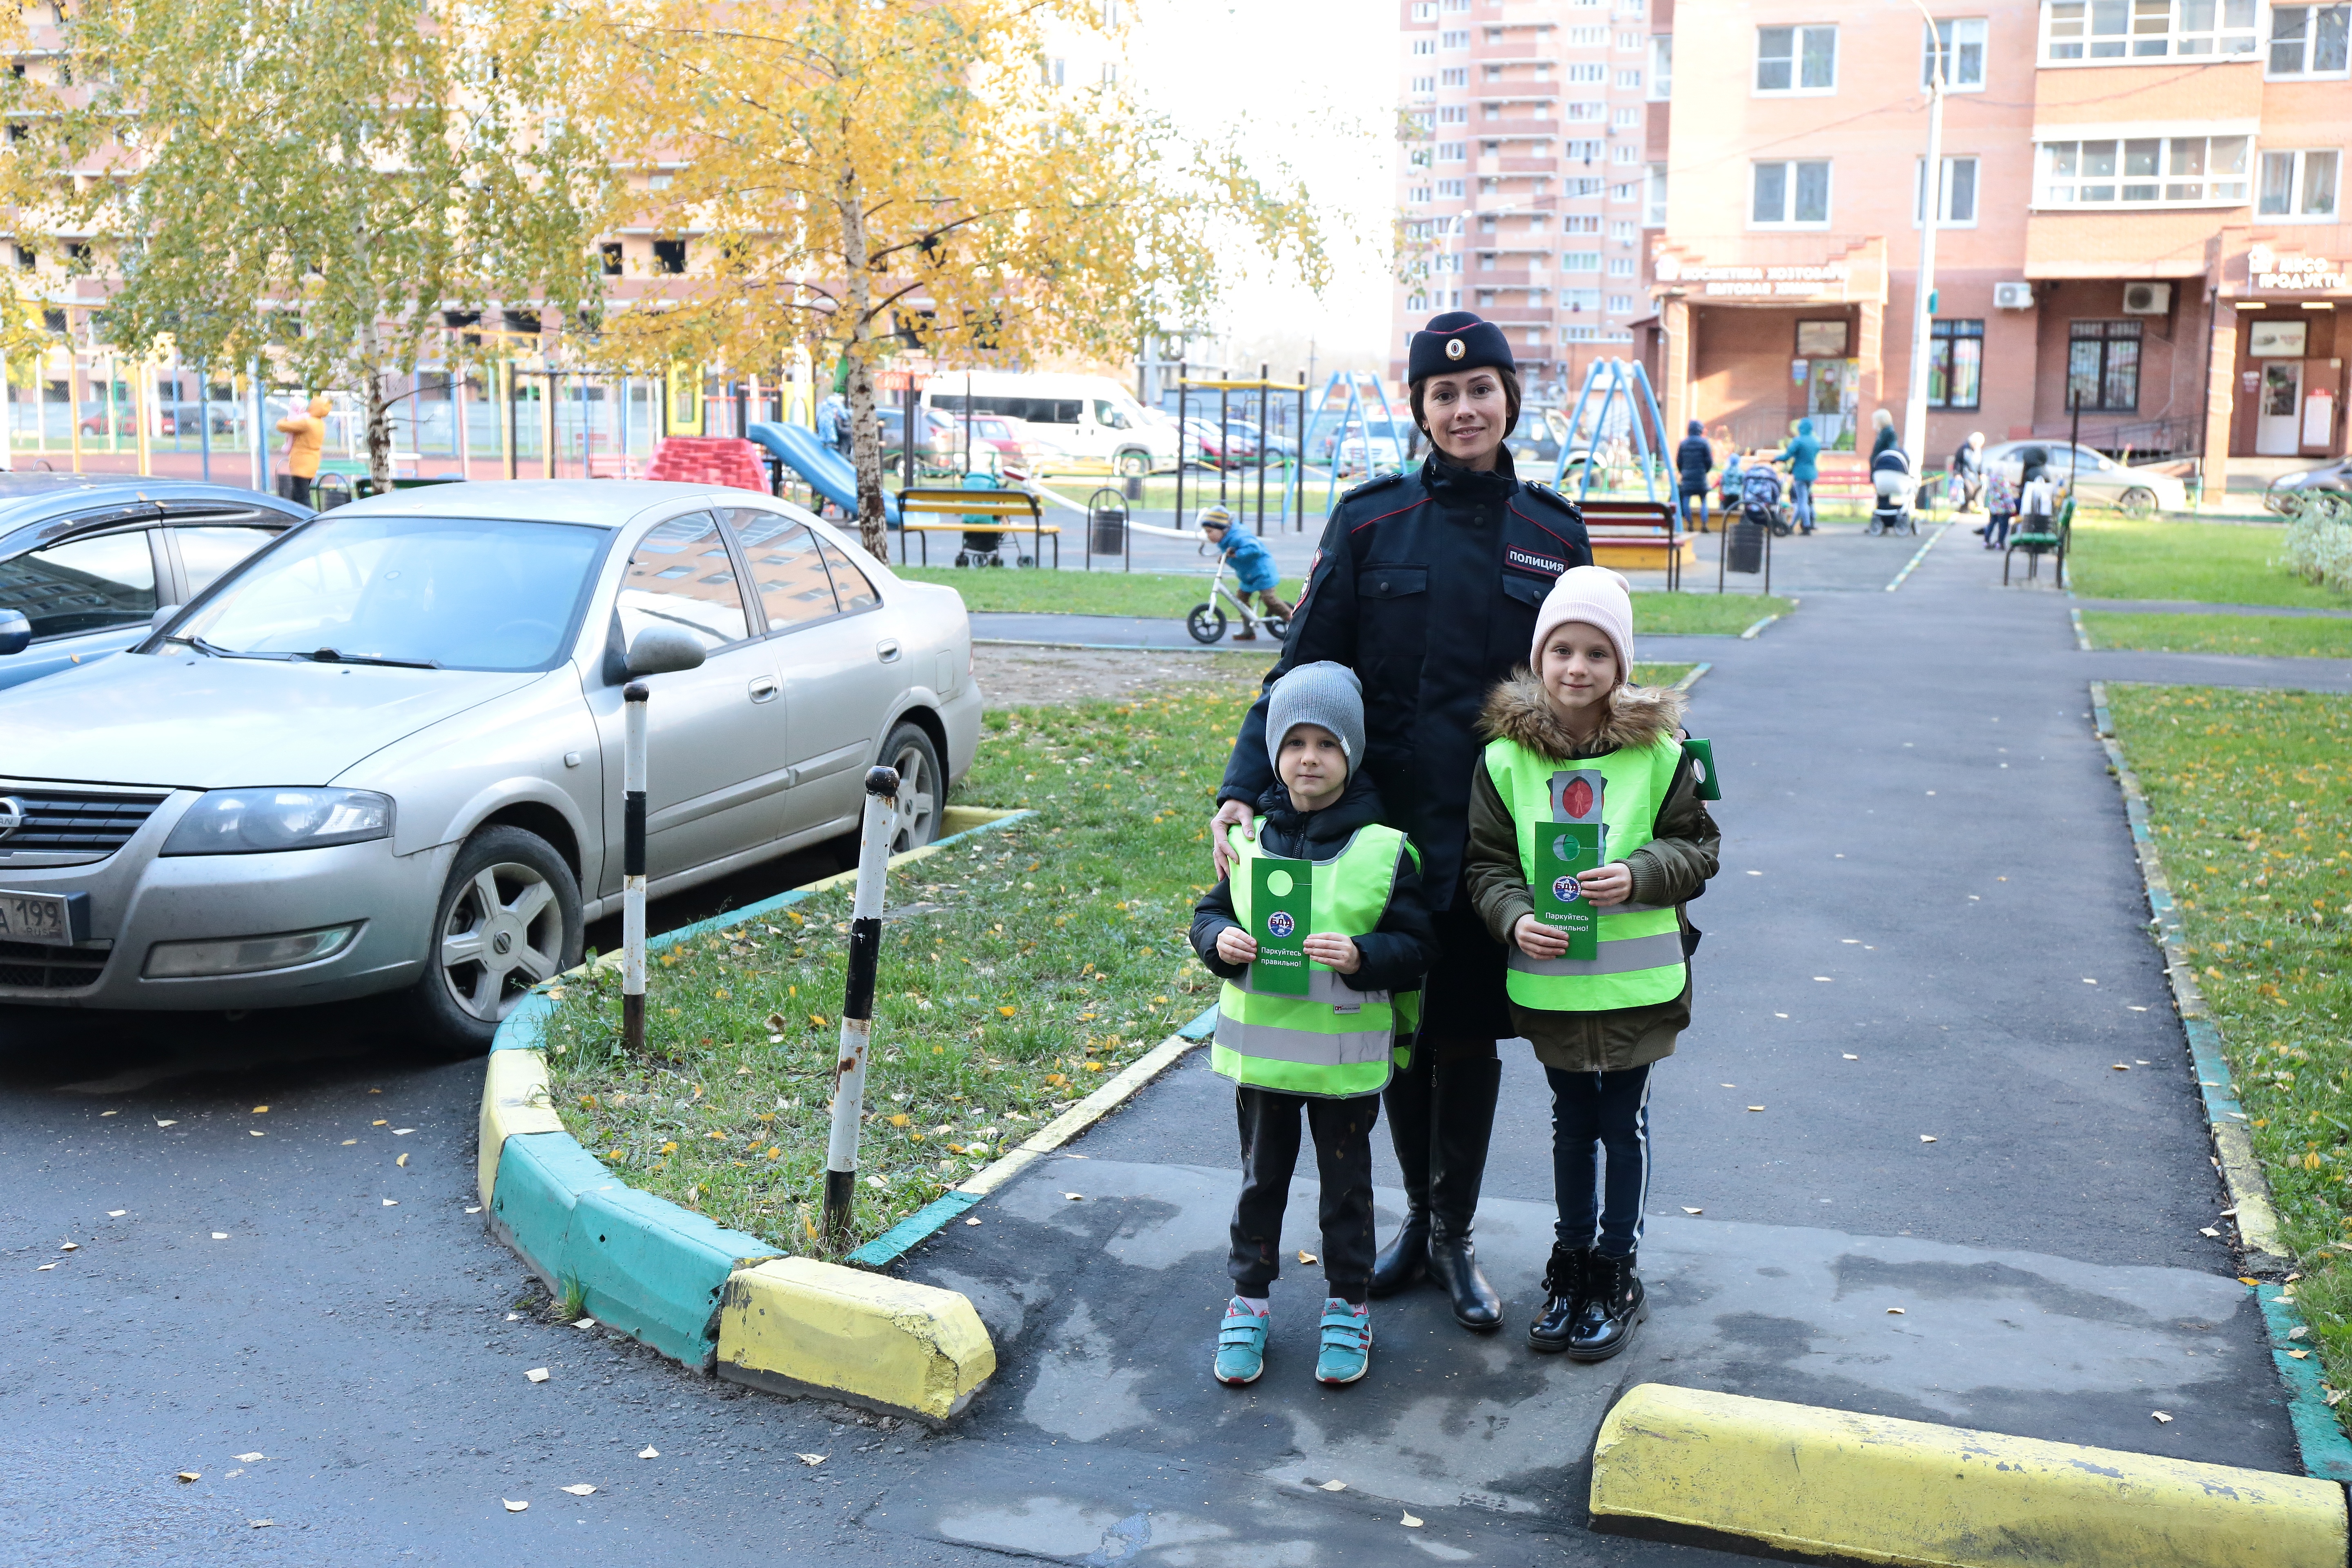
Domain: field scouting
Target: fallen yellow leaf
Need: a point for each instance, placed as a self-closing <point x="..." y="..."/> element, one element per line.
<point x="1305" y="1255"/>
<point x="1410" y="1522"/>
<point x="403" y="1161"/>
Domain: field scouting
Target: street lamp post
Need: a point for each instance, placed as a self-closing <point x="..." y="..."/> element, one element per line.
<point x="1915" y="405"/>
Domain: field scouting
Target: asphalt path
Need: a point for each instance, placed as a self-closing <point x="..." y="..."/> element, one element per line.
<point x="1890" y="759"/>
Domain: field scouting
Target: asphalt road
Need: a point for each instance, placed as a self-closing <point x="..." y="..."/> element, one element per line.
<point x="1890" y="759"/>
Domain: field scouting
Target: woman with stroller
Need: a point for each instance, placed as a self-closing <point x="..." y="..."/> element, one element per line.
<point x="1799" y="454"/>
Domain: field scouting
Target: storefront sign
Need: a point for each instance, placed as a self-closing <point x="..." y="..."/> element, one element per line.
<point x="1827" y="281"/>
<point x="2276" y="340"/>
<point x="2293" y="274"/>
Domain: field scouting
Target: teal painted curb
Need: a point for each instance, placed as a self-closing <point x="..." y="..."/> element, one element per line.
<point x="2326" y="1451"/>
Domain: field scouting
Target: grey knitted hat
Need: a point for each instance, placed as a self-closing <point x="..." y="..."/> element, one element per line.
<point x="1325" y="693"/>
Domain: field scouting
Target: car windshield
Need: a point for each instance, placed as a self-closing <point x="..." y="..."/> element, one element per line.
<point x="458" y="593"/>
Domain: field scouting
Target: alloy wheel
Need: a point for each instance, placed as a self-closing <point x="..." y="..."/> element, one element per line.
<point x="504" y="934"/>
<point x="912" y="811"/>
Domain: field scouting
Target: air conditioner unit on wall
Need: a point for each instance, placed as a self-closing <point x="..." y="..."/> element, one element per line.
<point x="2147" y="298"/>
<point x="2013" y="296"/>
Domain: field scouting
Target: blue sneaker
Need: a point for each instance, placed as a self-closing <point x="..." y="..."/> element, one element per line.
<point x="1241" y="1345"/>
<point x="1347" y="1352"/>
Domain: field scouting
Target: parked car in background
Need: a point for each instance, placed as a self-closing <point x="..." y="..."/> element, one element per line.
<point x="2325" y="492"/>
<point x="88" y="559"/>
<point x="2099" y="480"/>
<point x="1093" y="423"/>
<point x="383" y="756"/>
<point x="187" y="418"/>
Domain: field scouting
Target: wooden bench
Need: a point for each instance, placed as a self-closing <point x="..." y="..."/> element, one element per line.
<point x="1013" y="506"/>
<point x="1638" y="536"/>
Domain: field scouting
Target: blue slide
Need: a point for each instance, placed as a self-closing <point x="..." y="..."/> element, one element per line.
<point x="827" y="472"/>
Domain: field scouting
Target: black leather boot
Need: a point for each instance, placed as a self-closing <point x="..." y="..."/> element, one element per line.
<point x="1405" y="1261"/>
<point x="1563" y="1298"/>
<point x="1614" y="1306"/>
<point x="1463" y="1118"/>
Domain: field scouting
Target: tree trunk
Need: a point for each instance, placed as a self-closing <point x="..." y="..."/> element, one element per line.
<point x="864" y="428"/>
<point x="379" y="426"/>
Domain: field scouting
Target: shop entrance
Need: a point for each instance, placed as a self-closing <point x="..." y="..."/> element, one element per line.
<point x="2278" y="422"/>
<point x="1829" y="396"/>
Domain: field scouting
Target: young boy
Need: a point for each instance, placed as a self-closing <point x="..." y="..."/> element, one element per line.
<point x="1330" y="1051"/>
<point x="1571" y="742"/>
<point x="1254" y="568"/>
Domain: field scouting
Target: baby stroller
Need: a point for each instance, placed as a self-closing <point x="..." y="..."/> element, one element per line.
<point x="1891" y="478"/>
<point x="983" y="536"/>
<point x="1760" y="499"/>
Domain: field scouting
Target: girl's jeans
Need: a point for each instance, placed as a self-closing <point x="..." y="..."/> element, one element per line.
<point x="1801" y="495"/>
<point x="1598" y="1115"/>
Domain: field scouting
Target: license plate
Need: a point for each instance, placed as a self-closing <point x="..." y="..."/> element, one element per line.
<point x="55" y="920"/>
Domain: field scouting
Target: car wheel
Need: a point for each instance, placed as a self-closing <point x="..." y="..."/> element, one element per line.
<point x="1134" y="465"/>
<point x="2137" y="501"/>
<point x="922" y="787"/>
<point x="509" y="917"/>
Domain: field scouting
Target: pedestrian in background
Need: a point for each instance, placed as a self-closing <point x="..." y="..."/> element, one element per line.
<point x="1326" y="1054"/>
<point x="1596" y="1023"/>
<point x="833" y="423"/>
<point x="1693" y="458"/>
<point x="1968" y="473"/>
<point x="1883" y="423"/>
<point x="2001" y="508"/>
<point x="306" y="438"/>
<point x="1801" y="454"/>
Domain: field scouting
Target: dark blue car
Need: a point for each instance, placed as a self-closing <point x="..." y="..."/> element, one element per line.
<point x="88" y="559"/>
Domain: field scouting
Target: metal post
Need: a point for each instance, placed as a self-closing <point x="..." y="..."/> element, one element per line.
<point x="512" y="384"/>
<point x="1225" y="434"/>
<point x="1915" y="401"/>
<point x="205" y="418"/>
<point x="857" y="1004"/>
<point x="1298" y="466"/>
<point x="633" y="865"/>
<point x="1264" y="435"/>
<point x="1183" y="370"/>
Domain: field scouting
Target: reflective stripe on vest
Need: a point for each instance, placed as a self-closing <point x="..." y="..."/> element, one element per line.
<point x="1640" y="960"/>
<point x="1334" y="1041"/>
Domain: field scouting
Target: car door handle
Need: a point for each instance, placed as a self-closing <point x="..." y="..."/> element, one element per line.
<point x="764" y="688"/>
<point x="887" y="650"/>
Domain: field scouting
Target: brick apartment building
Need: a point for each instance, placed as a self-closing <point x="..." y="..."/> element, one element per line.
<point x="2141" y="205"/>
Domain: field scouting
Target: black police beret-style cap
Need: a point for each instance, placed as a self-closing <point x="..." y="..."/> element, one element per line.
<point x="1457" y="340"/>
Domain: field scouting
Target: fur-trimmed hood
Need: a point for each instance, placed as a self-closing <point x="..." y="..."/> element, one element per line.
<point x="1639" y="716"/>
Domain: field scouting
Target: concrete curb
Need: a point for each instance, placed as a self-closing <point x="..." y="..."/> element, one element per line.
<point x="2263" y="1252"/>
<point x="1727" y="1469"/>
<point x="712" y="1299"/>
<point x="1690" y="678"/>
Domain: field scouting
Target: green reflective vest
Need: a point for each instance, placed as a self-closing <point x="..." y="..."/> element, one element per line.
<point x="1640" y="960"/>
<point x="1335" y="1041"/>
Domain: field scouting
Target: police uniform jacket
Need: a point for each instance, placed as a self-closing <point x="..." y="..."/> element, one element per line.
<point x="1426" y="586"/>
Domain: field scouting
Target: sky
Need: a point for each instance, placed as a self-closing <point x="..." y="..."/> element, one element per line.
<point x="1313" y="84"/>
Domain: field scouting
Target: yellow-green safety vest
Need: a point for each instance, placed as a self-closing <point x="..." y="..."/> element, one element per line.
<point x="1640" y="961"/>
<point x="1335" y="1041"/>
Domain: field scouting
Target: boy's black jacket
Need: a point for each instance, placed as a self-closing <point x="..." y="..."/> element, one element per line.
<point x="1395" y="955"/>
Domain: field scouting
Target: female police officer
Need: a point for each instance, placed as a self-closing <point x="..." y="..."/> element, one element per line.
<point x="1426" y="586"/>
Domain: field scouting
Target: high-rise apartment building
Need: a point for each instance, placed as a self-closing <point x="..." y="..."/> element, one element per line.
<point x="1533" y="134"/>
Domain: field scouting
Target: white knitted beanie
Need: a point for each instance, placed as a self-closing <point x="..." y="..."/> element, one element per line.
<point x="1597" y="596"/>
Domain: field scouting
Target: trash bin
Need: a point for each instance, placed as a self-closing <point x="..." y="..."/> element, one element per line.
<point x="1132" y="486"/>
<point x="1105" y="523"/>
<point x="1743" y="547"/>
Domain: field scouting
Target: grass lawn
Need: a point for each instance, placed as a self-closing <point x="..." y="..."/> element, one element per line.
<point x="2295" y="636"/>
<point x="2213" y="562"/>
<point x="2248" y="793"/>
<point x="1171" y="595"/>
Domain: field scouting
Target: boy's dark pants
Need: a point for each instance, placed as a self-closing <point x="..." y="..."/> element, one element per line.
<point x="1596" y="1115"/>
<point x="1342" y="1130"/>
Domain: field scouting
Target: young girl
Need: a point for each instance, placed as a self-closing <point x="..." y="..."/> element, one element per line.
<point x="1571" y="742"/>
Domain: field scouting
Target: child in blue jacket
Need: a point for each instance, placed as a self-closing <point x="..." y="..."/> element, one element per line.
<point x="1254" y="568"/>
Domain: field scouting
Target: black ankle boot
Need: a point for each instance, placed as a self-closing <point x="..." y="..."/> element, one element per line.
<point x="1463" y="1119"/>
<point x="1563" y="1298"/>
<point x="1614" y="1306"/>
<point x="1405" y="1261"/>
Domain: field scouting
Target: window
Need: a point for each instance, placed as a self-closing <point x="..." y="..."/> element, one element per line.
<point x="1626" y="116"/>
<point x="1796" y="59"/>
<point x="1579" y="186"/>
<point x="2147" y="29"/>
<point x="1621" y="267"/>
<point x="1955" y="363"/>
<point x="1454" y="75"/>
<point x="208" y="549"/>
<point x="1956" y="206"/>
<point x="1790" y="193"/>
<point x="1629" y="42"/>
<point x="2102" y="367"/>
<point x="1417" y="195"/>
<point x="1628" y="192"/>
<point x="1576" y="334"/>
<point x="1485" y="261"/>
<point x="854" y="588"/>
<point x="1631" y="80"/>
<point x="1459" y="40"/>
<point x="1662" y="66"/>
<point x="609" y="257"/>
<point x="670" y="256"/>
<point x="1963" y="46"/>
<point x="1053" y="71"/>
<point x="1654" y="214"/>
<point x="1453" y="114"/>
<point x="681" y="576"/>
<point x="1621" y="304"/>
<point x="786" y="571"/>
<point x="2299" y="185"/>
<point x="2308" y="41"/>
<point x="83" y="585"/>
<point x="1594" y="112"/>
<point x="1424" y="46"/>
<point x="1449" y="189"/>
<point x="1453" y="151"/>
<point x="1580" y="261"/>
<point x="2203" y="170"/>
<point x="1425" y="10"/>
<point x="1577" y="222"/>
<point x="1585" y="301"/>
<point x="1588" y="38"/>
<point x="1625" y="153"/>
<point x="1588" y="73"/>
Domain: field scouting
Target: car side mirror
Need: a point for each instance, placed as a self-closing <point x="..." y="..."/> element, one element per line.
<point x="15" y="632"/>
<point x="660" y="650"/>
<point x="162" y="616"/>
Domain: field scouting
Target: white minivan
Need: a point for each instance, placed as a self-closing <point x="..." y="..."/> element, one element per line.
<point x="1077" y="424"/>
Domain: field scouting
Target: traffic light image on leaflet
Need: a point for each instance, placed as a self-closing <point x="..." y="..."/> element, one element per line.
<point x="1282" y="901"/>
<point x="1565" y="852"/>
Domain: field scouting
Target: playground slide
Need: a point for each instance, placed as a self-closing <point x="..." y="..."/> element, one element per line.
<point x="827" y="472"/>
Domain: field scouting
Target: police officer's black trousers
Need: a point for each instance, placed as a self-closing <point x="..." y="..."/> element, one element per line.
<point x="1342" y="1130"/>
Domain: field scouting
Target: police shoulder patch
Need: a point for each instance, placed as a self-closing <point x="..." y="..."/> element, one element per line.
<point x="1378" y="481"/>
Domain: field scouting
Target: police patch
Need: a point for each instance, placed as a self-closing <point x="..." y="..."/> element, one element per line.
<point x="1528" y="561"/>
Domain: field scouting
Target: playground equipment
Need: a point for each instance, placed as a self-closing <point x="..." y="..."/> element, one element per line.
<point x="826" y="471"/>
<point x="1293" y="466"/>
<point x="1347" y="386"/>
<point x="1615" y="379"/>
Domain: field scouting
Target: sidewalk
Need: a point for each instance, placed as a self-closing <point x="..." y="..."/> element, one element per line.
<point x="1928" y="870"/>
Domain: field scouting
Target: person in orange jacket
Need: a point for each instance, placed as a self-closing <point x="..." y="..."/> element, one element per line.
<point x="306" y="436"/>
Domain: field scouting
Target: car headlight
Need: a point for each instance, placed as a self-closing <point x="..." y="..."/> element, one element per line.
<point x="260" y="821"/>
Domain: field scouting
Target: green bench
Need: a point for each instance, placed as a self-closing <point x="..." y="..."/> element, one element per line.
<point x="2037" y="544"/>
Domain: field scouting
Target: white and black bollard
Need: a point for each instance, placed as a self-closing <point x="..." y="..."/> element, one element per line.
<point x="857" y="1004"/>
<point x="633" y="866"/>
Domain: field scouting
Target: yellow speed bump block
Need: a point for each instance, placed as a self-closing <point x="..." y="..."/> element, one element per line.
<point x="514" y="1100"/>
<point x="1876" y="1490"/>
<point x="793" y="1325"/>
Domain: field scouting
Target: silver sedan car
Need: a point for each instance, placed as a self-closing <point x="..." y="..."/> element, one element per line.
<point x="385" y="755"/>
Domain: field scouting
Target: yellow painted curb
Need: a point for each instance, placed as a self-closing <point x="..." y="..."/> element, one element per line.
<point x="795" y="1325"/>
<point x="514" y="1100"/>
<point x="1876" y="1490"/>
